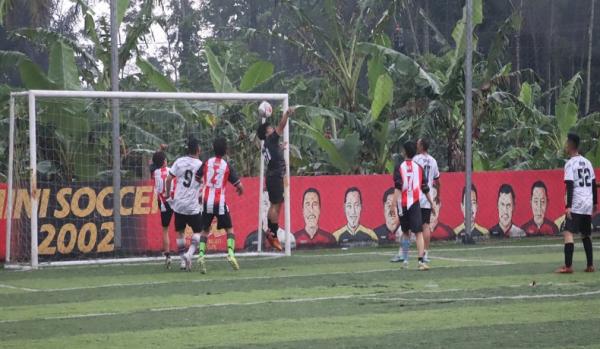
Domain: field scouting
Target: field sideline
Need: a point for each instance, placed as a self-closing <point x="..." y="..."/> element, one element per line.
<point x="474" y="297"/>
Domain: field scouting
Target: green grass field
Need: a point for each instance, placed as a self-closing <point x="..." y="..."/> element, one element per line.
<point x="474" y="297"/>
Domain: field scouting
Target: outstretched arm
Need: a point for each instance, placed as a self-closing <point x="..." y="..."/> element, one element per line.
<point x="284" y="120"/>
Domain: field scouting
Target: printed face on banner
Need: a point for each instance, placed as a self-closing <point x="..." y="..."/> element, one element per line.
<point x="390" y="214"/>
<point x="539" y="204"/>
<point x="506" y="207"/>
<point x="435" y="214"/>
<point x="311" y="210"/>
<point x="353" y="209"/>
<point x="473" y="207"/>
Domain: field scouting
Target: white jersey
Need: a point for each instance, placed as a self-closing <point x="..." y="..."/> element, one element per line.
<point x="160" y="178"/>
<point x="580" y="170"/>
<point x="430" y="173"/>
<point x="187" y="194"/>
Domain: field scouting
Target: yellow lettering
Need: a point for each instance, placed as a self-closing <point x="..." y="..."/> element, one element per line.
<point x="44" y="203"/>
<point x="2" y="202"/>
<point x="140" y="205"/>
<point x="83" y="212"/>
<point x="126" y="211"/>
<point x="62" y="201"/>
<point x="154" y="203"/>
<point x="23" y="200"/>
<point x="104" y="212"/>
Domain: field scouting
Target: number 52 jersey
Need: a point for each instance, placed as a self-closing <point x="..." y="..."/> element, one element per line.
<point x="579" y="170"/>
<point x="186" y="200"/>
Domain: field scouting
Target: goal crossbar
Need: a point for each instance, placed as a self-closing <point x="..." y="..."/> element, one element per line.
<point x="32" y="95"/>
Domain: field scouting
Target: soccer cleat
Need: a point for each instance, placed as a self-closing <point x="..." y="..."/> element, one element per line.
<point x="426" y="258"/>
<point x="168" y="262"/>
<point x="423" y="266"/>
<point x="564" y="270"/>
<point x="274" y="241"/>
<point x="233" y="262"/>
<point x="202" y="264"/>
<point x="405" y="265"/>
<point x="182" y="263"/>
<point x="397" y="259"/>
<point x="590" y="269"/>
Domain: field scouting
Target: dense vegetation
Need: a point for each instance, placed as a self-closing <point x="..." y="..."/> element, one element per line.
<point x="367" y="75"/>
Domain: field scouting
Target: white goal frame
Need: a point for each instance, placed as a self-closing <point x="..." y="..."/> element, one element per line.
<point x="33" y="95"/>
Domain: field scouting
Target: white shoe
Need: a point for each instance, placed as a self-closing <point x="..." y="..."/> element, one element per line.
<point x="182" y="263"/>
<point x="426" y="257"/>
<point x="423" y="266"/>
<point x="405" y="265"/>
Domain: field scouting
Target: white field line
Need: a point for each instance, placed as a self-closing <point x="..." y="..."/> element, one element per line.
<point x="153" y="283"/>
<point x="490" y="298"/>
<point x="489" y="261"/>
<point x="369" y="296"/>
<point x="433" y="249"/>
<point x="18" y="288"/>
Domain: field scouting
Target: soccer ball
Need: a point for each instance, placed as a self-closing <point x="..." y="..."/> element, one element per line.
<point x="265" y="110"/>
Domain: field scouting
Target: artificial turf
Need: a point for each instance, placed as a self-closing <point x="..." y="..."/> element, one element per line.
<point x="473" y="297"/>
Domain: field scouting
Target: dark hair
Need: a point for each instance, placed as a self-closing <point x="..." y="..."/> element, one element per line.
<point x="424" y="144"/>
<point x="573" y="139"/>
<point x="311" y="190"/>
<point x="539" y="184"/>
<point x="410" y="149"/>
<point x="387" y="193"/>
<point x="351" y="190"/>
<point x="158" y="159"/>
<point x="261" y="132"/>
<point x="506" y="189"/>
<point x="192" y="146"/>
<point x="220" y="146"/>
<point x="473" y="189"/>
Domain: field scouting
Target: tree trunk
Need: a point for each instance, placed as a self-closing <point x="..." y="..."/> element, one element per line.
<point x="412" y="28"/>
<point x="589" y="59"/>
<point x="518" y="45"/>
<point x="550" y="59"/>
<point x="426" y="48"/>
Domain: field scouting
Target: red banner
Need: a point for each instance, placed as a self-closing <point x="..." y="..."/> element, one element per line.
<point x="326" y="211"/>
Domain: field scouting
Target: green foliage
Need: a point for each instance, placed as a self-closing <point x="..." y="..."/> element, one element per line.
<point x="258" y="73"/>
<point x="218" y="73"/>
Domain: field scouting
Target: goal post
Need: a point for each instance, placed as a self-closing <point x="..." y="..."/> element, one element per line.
<point x="24" y="143"/>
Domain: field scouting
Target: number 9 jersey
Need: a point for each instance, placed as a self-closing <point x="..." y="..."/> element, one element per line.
<point x="187" y="194"/>
<point x="580" y="171"/>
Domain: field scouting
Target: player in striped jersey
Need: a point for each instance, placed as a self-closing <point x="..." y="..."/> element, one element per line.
<point x="409" y="184"/>
<point x="432" y="178"/>
<point x="582" y="199"/>
<point x="214" y="175"/>
<point x="159" y="162"/>
<point x="186" y="201"/>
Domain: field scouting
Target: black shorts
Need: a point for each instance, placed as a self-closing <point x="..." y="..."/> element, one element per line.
<point x="165" y="213"/>
<point x="194" y="221"/>
<point x="275" y="189"/>
<point x="223" y="220"/>
<point x="411" y="219"/>
<point x="579" y="224"/>
<point x="426" y="215"/>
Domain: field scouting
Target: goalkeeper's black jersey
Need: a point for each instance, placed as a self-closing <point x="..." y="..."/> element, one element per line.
<point x="273" y="153"/>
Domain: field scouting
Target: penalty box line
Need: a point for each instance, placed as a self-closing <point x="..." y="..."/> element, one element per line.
<point x="369" y="296"/>
<point x="249" y="278"/>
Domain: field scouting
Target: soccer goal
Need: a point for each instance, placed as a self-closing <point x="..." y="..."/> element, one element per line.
<point x="79" y="189"/>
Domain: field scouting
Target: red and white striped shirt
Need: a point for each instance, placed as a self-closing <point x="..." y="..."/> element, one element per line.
<point x="215" y="173"/>
<point x="408" y="178"/>
<point x="160" y="188"/>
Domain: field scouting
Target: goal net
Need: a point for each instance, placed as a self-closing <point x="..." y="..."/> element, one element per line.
<point x="79" y="186"/>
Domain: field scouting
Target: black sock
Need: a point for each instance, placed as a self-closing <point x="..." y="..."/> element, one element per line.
<point x="589" y="252"/>
<point x="569" y="248"/>
<point x="420" y="259"/>
<point x="273" y="227"/>
<point x="167" y="254"/>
